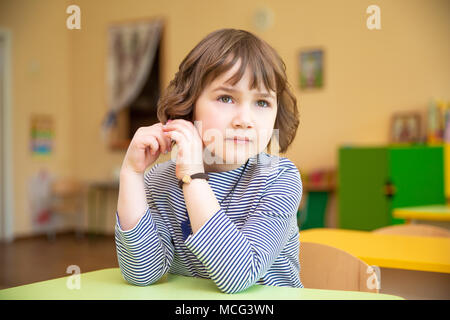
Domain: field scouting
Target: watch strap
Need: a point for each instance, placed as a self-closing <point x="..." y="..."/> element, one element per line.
<point x="200" y="175"/>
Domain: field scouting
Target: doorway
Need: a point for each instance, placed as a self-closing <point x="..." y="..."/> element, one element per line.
<point x="6" y="173"/>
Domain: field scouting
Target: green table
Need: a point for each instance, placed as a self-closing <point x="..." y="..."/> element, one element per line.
<point x="109" y="284"/>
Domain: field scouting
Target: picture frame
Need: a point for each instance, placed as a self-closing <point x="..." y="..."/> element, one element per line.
<point x="405" y="128"/>
<point x="311" y="68"/>
<point x="42" y="134"/>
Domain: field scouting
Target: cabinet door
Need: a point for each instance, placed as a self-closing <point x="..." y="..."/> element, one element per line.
<point x="363" y="173"/>
<point x="417" y="174"/>
<point x="313" y="214"/>
<point x="447" y="169"/>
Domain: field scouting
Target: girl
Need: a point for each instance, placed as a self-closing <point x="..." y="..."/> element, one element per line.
<point x="223" y="209"/>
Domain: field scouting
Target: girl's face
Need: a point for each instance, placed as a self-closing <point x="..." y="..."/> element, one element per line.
<point x="234" y="122"/>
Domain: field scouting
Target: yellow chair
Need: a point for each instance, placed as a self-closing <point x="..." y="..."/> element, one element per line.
<point x="414" y="230"/>
<point x="326" y="267"/>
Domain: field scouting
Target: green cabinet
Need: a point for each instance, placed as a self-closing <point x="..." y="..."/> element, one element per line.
<point x="374" y="180"/>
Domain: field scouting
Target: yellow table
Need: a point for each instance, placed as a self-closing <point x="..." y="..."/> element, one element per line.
<point x="431" y="213"/>
<point x="390" y="251"/>
<point x="426" y="257"/>
<point x="109" y="284"/>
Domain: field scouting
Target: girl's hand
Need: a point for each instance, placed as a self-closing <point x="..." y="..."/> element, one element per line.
<point x="189" y="144"/>
<point x="145" y="147"/>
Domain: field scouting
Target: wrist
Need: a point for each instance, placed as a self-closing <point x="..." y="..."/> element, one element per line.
<point x="190" y="178"/>
<point x="190" y="172"/>
<point x="126" y="173"/>
<point x="194" y="183"/>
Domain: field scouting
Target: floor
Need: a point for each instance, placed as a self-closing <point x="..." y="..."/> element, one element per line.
<point x="415" y="285"/>
<point x="36" y="259"/>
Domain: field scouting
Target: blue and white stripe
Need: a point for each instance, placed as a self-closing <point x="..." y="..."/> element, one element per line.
<point x="255" y="242"/>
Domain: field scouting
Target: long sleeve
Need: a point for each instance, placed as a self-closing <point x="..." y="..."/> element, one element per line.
<point x="235" y="259"/>
<point x="144" y="252"/>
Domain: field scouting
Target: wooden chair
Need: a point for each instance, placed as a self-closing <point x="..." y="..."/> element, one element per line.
<point x="326" y="267"/>
<point x="414" y="230"/>
<point x="67" y="199"/>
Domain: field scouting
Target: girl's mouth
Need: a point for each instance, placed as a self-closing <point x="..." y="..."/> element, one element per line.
<point x="240" y="141"/>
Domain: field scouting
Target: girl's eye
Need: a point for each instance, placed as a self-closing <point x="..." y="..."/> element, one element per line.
<point x="227" y="99"/>
<point x="222" y="98"/>
<point x="266" y="105"/>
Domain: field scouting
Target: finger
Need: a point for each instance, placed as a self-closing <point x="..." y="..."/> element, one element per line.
<point x="168" y="140"/>
<point x="183" y="129"/>
<point x="163" y="144"/>
<point x="171" y="144"/>
<point x="194" y="129"/>
<point x="180" y="141"/>
<point x="175" y="136"/>
<point x="186" y="124"/>
<point x="151" y="142"/>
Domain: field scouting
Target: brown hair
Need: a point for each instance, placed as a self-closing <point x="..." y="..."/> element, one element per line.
<point x="216" y="54"/>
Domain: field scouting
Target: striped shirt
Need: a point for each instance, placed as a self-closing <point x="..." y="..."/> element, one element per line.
<point x="255" y="242"/>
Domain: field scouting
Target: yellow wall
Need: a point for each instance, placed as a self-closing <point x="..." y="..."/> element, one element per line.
<point x="368" y="74"/>
<point x="40" y="84"/>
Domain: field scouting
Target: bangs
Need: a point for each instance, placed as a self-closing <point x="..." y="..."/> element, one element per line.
<point x="253" y="55"/>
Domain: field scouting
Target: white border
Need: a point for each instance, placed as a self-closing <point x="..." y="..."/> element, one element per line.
<point x="7" y="233"/>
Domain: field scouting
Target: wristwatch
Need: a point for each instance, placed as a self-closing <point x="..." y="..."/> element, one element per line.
<point x="188" y="178"/>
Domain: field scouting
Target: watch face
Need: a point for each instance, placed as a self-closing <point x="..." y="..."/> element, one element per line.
<point x="186" y="179"/>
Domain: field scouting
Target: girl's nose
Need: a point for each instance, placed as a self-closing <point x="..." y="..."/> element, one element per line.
<point x="243" y="118"/>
